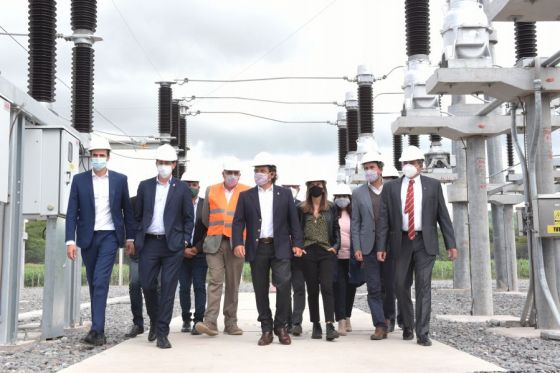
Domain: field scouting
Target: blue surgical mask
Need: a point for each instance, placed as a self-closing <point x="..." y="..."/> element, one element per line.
<point x="98" y="163"/>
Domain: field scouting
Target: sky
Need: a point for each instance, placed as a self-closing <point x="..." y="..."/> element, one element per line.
<point x="146" y="41"/>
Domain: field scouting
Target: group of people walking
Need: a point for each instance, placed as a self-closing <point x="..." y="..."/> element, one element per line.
<point x="383" y="234"/>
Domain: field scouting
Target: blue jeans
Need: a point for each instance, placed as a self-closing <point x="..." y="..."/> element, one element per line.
<point x="373" y="281"/>
<point x="193" y="272"/>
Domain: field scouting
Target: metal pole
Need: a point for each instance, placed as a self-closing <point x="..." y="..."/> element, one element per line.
<point x="481" y="276"/>
<point x="510" y="248"/>
<point x="73" y="273"/>
<point x="12" y="230"/>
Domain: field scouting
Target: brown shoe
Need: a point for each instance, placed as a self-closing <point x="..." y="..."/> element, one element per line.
<point x="233" y="330"/>
<point x="283" y="336"/>
<point x="266" y="339"/>
<point x="380" y="333"/>
<point x="206" y="329"/>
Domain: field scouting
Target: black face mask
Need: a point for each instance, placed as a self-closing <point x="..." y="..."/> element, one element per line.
<point x="316" y="191"/>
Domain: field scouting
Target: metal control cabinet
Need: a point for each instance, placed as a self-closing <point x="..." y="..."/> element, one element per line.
<point x="51" y="160"/>
<point x="4" y="148"/>
<point x="549" y="215"/>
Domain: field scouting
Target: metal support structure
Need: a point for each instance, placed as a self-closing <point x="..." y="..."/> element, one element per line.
<point x="73" y="273"/>
<point x="12" y="230"/>
<point x="461" y="266"/>
<point x="481" y="275"/>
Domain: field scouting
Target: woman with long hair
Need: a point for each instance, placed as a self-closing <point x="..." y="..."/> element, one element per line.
<point x="321" y="235"/>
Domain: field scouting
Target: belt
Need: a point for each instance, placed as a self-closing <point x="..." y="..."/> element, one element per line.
<point x="418" y="233"/>
<point x="266" y="240"/>
<point x="156" y="236"/>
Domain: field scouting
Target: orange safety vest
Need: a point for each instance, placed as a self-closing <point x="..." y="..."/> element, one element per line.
<point x="221" y="212"/>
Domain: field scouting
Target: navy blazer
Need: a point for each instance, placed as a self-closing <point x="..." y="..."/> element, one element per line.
<point x="285" y="222"/>
<point x="80" y="215"/>
<point x="178" y="214"/>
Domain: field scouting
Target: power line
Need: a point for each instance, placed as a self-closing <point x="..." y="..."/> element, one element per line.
<point x="263" y="117"/>
<point x="192" y="98"/>
<point x="186" y="80"/>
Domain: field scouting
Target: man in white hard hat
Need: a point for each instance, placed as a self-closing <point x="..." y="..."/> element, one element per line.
<point x="194" y="267"/>
<point x="224" y="267"/>
<point x="269" y="215"/>
<point x="98" y="218"/>
<point x="411" y="209"/>
<point x="366" y="204"/>
<point x="165" y="223"/>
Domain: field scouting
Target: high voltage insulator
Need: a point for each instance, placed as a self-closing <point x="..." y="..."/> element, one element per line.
<point x="352" y="124"/>
<point x="414" y="140"/>
<point x="509" y="149"/>
<point x="397" y="150"/>
<point x="435" y="138"/>
<point x="82" y="88"/>
<point x="365" y="100"/>
<point x="525" y="40"/>
<point x="42" y="49"/>
<point x="417" y="27"/>
<point x="182" y="136"/>
<point x="342" y="144"/>
<point x="175" y="122"/>
<point x="165" y="95"/>
<point x="84" y="15"/>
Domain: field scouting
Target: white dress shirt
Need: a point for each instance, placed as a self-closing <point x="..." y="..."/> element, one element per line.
<point x="157" y="226"/>
<point x="103" y="217"/>
<point x="195" y="206"/>
<point x="229" y="193"/>
<point x="266" y="198"/>
<point x="417" y="203"/>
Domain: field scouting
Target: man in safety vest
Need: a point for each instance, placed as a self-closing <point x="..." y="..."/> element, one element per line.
<point x="217" y="214"/>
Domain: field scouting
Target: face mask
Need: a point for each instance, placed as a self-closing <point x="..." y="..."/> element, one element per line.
<point x="342" y="202"/>
<point x="409" y="171"/>
<point x="194" y="191"/>
<point x="261" y="178"/>
<point x="371" y="176"/>
<point x="231" y="181"/>
<point x="316" y="191"/>
<point x="294" y="192"/>
<point x="98" y="163"/>
<point x="164" y="170"/>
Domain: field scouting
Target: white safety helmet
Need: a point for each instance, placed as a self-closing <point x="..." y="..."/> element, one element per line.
<point x="289" y="181"/>
<point x="190" y="176"/>
<point x="99" y="143"/>
<point x="341" y="190"/>
<point x="411" y="153"/>
<point x="263" y="159"/>
<point x="166" y="153"/>
<point x="315" y="176"/>
<point x="390" y="171"/>
<point x="372" y="157"/>
<point x="231" y="164"/>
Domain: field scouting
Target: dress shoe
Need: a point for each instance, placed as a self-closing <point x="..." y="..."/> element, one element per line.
<point x="283" y="336"/>
<point x="186" y="327"/>
<point x="265" y="339"/>
<point x="99" y="340"/>
<point x="407" y="334"/>
<point x="331" y="332"/>
<point x="380" y="333"/>
<point x="289" y="328"/>
<point x="152" y="333"/>
<point x="203" y="328"/>
<point x="424" y="340"/>
<point x="134" y="331"/>
<point x="317" y="332"/>
<point x="342" y="327"/>
<point x="90" y="337"/>
<point x="296" y="330"/>
<point x="194" y="331"/>
<point x="233" y="330"/>
<point x="163" y="342"/>
<point x="348" y="325"/>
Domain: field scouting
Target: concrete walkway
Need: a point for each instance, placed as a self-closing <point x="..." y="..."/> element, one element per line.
<point x="223" y="353"/>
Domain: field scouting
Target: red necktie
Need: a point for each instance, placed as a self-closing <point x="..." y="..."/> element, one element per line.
<point x="409" y="209"/>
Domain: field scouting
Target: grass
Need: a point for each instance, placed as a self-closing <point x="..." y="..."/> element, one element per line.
<point x="443" y="270"/>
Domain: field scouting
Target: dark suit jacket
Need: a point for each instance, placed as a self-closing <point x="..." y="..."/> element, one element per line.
<point x="331" y="215"/>
<point x="80" y="215"/>
<point x="199" y="228"/>
<point x="178" y="216"/>
<point x="285" y="222"/>
<point x="434" y="211"/>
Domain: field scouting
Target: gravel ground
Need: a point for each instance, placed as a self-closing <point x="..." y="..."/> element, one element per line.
<point x="516" y="355"/>
<point x="512" y="354"/>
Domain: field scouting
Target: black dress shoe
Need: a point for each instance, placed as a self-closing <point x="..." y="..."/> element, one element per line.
<point x="424" y="340"/>
<point x="152" y="334"/>
<point x="407" y="334"/>
<point x="186" y="327"/>
<point x="296" y="330"/>
<point x="317" y="332"/>
<point x="134" y="331"/>
<point x="99" y="340"/>
<point x="163" y="342"/>
<point x="90" y="337"/>
<point x="331" y="332"/>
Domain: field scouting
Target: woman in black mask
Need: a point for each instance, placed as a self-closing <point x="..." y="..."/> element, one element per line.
<point x="321" y="234"/>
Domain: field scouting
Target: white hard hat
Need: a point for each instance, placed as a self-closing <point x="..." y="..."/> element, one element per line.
<point x="231" y="164"/>
<point x="166" y="153"/>
<point x="411" y="153"/>
<point x="341" y="189"/>
<point x="289" y="181"/>
<point x="372" y="157"/>
<point x="315" y="176"/>
<point x="98" y="143"/>
<point x="190" y="176"/>
<point x="263" y="159"/>
<point x="390" y="171"/>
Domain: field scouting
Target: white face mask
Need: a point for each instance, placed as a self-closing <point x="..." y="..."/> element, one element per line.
<point x="371" y="176"/>
<point x="409" y="171"/>
<point x="231" y="181"/>
<point x="164" y="170"/>
<point x="342" y="202"/>
<point x="261" y="178"/>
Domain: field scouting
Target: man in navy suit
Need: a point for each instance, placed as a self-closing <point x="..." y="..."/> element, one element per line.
<point x="165" y="222"/>
<point x="269" y="214"/>
<point x="99" y="216"/>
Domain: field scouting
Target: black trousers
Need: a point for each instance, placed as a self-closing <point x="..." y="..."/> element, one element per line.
<point x="388" y="287"/>
<point x="261" y="266"/>
<point x="413" y="258"/>
<point x="344" y="292"/>
<point x="156" y="257"/>
<point x="295" y="316"/>
<point x="318" y="269"/>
